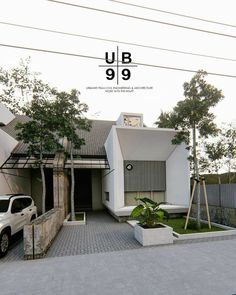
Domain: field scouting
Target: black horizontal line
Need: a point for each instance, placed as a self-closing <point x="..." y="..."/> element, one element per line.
<point x="124" y="66"/>
<point x="100" y="58"/>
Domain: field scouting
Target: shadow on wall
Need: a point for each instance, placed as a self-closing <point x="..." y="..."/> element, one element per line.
<point x="36" y="188"/>
<point x="15" y="181"/>
<point x="28" y="181"/>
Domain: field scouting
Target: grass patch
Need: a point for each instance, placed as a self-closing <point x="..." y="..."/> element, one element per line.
<point x="178" y="226"/>
<point x="79" y="216"/>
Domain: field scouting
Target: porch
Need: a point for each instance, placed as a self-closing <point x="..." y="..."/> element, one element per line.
<point x="170" y="208"/>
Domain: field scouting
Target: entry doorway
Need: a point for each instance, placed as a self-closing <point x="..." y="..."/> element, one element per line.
<point x="83" y="190"/>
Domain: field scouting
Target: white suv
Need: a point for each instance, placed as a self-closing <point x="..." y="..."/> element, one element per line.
<point x="16" y="210"/>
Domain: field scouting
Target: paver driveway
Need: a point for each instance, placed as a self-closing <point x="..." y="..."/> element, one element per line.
<point x="102" y="233"/>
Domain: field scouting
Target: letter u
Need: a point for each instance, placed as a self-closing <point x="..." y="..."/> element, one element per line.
<point x="110" y="61"/>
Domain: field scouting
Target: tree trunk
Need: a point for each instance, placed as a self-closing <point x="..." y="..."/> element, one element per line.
<point x="72" y="185"/>
<point x="220" y="202"/>
<point x="43" y="184"/>
<point x="196" y="175"/>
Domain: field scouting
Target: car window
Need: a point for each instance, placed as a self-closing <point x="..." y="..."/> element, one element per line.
<point x="17" y="205"/>
<point x="4" y="204"/>
<point x="26" y="202"/>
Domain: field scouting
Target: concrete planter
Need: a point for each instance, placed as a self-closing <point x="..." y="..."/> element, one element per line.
<point x="39" y="234"/>
<point x="153" y="236"/>
<point x="67" y="221"/>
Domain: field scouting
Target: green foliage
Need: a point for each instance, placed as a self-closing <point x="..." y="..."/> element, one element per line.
<point x="215" y="153"/>
<point x="228" y="139"/>
<point x="192" y="115"/>
<point x="69" y="116"/>
<point x="194" y="110"/>
<point x="178" y="226"/>
<point x="214" y="178"/>
<point x="38" y="132"/>
<point x="149" y="212"/>
<point x="19" y="86"/>
<point x="221" y="154"/>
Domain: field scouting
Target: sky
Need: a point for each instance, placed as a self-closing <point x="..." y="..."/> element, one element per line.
<point x="149" y="89"/>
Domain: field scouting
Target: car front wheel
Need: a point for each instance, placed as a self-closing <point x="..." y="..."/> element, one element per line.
<point x="4" y="243"/>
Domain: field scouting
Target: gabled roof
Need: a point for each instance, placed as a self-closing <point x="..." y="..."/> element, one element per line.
<point x="94" y="139"/>
<point x="10" y="127"/>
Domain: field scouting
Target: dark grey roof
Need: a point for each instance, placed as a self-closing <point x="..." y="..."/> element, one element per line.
<point x="10" y="128"/>
<point x="94" y="139"/>
<point x="21" y="148"/>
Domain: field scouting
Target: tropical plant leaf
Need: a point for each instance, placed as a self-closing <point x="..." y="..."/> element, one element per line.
<point x="165" y="213"/>
<point x="162" y="203"/>
<point x="149" y="213"/>
<point x="160" y="214"/>
<point x="137" y="211"/>
<point x="146" y="200"/>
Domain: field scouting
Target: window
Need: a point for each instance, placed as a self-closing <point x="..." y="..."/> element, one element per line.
<point x="17" y="205"/>
<point x="4" y="204"/>
<point x="107" y="197"/>
<point x="26" y="202"/>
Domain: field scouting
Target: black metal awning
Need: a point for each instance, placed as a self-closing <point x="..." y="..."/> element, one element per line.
<point x="24" y="162"/>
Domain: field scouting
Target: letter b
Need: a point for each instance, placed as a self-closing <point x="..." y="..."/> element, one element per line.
<point x="126" y="57"/>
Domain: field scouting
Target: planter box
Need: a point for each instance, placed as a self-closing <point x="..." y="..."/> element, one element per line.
<point x="153" y="236"/>
<point x="67" y="221"/>
<point x="39" y="234"/>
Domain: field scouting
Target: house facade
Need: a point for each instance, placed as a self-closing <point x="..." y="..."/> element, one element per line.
<point x="121" y="160"/>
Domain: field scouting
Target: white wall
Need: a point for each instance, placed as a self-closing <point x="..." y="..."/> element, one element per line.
<point x="177" y="177"/>
<point x="12" y="180"/>
<point x="7" y="144"/>
<point x="113" y="179"/>
<point x="5" y="115"/>
<point x="108" y="175"/>
<point x="119" y="196"/>
<point x="145" y="144"/>
<point x="15" y="181"/>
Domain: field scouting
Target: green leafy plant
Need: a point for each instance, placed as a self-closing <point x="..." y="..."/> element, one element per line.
<point x="149" y="213"/>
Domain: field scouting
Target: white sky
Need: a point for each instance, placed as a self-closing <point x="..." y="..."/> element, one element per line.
<point x="65" y="72"/>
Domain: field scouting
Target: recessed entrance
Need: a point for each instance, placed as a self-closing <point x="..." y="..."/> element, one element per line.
<point x="83" y="190"/>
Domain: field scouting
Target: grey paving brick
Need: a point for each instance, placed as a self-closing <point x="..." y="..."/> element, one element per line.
<point x="102" y="233"/>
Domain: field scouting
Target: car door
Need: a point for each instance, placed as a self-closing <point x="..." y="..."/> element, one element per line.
<point x="27" y="208"/>
<point x="18" y="216"/>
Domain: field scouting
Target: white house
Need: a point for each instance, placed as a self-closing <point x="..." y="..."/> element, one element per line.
<point x="144" y="162"/>
<point x="120" y="160"/>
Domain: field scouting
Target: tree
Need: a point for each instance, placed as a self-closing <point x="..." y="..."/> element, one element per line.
<point x="228" y="140"/>
<point x="69" y="112"/>
<point x="215" y="153"/>
<point x="19" y="85"/>
<point x="193" y="118"/>
<point x="39" y="134"/>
